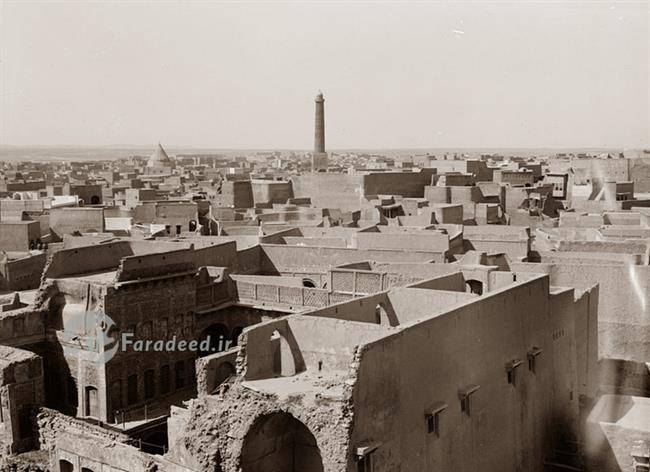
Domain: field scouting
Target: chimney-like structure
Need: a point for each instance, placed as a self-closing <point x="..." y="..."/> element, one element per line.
<point x="319" y="157"/>
<point x="319" y="129"/>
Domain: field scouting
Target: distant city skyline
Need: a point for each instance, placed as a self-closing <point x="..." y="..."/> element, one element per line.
<point x="396" y="75"/>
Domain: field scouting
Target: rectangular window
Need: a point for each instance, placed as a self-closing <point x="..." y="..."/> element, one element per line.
<point x="149" y="386"/>
<point x="511" y="370"/>
<point x="465" y="395"/>
<point x="132" y="389"/>
<point x="180" y="374"/>
<point x="532" y="358"/>
<point x="71" y="390"/>
<point x="365" y="463"/>
<point x="432" y="417"/>
<point x="192" y="371"/>
<point x="164" y="379"/>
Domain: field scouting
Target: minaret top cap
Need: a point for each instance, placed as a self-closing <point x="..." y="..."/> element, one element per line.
<point x="319" y="96"/>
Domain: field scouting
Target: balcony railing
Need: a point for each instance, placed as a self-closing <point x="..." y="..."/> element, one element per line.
<point x="287" y="295"/>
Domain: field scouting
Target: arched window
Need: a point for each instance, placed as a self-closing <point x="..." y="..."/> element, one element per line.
<point x="309" y="283"/>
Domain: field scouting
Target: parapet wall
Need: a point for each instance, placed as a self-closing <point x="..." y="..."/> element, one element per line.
<point x="277" y="258"/>
<point x="69" y="220"/>
<point x="406" y="184"/>
<point x="87" y="259"/>
<point x="624" y="302"/>
<point x="156" y="265"/>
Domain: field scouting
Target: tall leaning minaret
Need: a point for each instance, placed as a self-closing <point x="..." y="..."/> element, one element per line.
<point x="319" y="157"/>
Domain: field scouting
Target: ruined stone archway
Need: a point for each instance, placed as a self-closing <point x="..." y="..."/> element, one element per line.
<point x="279" y="441"/>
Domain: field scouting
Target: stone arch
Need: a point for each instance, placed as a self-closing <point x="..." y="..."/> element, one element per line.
<point x="94" y="200"/>
<point x="381" y="315"/>
<point x="219" y="338"/>
<point x="284" y="363"/>
<point x="278" y="441"/>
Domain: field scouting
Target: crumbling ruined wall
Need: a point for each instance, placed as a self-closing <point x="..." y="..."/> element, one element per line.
<point x="215" y="427"/>
<point x="51" y="424"/>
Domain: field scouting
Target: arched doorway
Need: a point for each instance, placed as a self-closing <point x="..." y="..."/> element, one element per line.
<point x="94" y="200"/>
<point x="474" y="286"/>
<point x="65" y="466"/>
<point x="219" y="339"/>
<point x="280" y="442"/>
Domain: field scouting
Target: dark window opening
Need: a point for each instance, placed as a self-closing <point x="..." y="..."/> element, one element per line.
<point x="178" y="229"/>
<point x="164" y="379"/>
<point x="132" y="389"/>
<point x="71" y="390"/>
<point x="309" y="283"/>
<point x="511" y="370"/>
<point x="433" y="418"/>
<point x="532" y="358"/>
<point x="180" y="374"/>
<point x="149" y="387"/>
<point x="364" y="463"/>
<point x="92" y="402"/>
<point x="465" y="398"/>
<point x="474" y="286"/>
<point x="65" y="466"/>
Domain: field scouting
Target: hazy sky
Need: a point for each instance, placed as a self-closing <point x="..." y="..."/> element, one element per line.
<point x="398" y="74"/>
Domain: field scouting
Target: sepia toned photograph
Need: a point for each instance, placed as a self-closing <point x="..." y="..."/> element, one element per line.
<point x="325" y="236"/>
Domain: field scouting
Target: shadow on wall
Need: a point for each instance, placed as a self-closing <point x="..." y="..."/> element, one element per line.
<point x="287" y="357"/>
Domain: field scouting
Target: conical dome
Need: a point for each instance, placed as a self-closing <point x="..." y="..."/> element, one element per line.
<point x="159" y="158"/>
